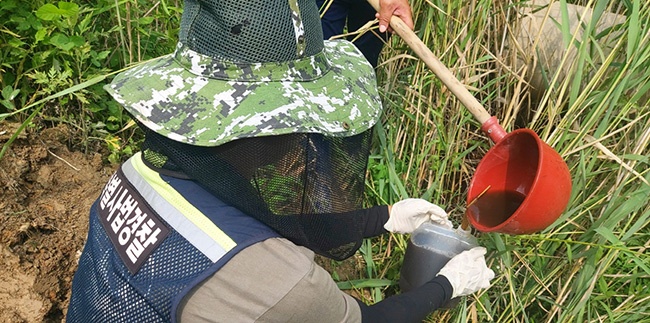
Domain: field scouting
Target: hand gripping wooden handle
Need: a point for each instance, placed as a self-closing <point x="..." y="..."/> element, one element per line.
<point x="445" y="75"/>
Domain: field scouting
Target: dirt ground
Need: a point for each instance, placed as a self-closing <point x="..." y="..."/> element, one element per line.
<point x="46" y="191"/>
<point x="45" y="194"/>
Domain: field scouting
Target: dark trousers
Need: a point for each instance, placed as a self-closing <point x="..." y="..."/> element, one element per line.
<point x="356" y="13"/>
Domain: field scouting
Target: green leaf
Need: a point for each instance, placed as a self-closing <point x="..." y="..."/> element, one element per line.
<point x="68" y="9"/>
<point x="640" y="158"/>
<point x="40" y="35"/>
<point x="566" y="23"/>
<point x="48" y="12"/>
<point x="145" y="20"/>
<point x="33" y="22"/>
<point x="9" y="93"/>
<point x="85" y="22"/>
<point x="633" y="29"/>
<point x="77" y="40"/>
<point x="59" y="40"/>
<point x="62" y="41"/>
<point x="16" y="43"/>
<point x="6" y="91"/>
<point x="364" y="283"/>
<point x="609" y="235"/>
<point x="103" y="54"/>
<point x="7" y="104"/>
<point x="641" y="264"/>
<point x="22" y="23"/>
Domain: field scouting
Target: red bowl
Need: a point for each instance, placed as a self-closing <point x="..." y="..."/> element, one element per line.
<point x="529" y="186"/>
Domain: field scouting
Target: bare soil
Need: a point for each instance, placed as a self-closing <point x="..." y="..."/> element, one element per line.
<point x="45" y="193"/>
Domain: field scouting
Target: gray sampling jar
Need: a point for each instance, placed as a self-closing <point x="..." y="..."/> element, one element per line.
<point x="430" y="248"/>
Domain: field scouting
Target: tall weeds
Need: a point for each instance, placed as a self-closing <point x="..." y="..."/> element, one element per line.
<point x="592" y="264"/>
<point x="55" y="58"/>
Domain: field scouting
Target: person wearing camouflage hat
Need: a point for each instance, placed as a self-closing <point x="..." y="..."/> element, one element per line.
<point x="257" y="136"/>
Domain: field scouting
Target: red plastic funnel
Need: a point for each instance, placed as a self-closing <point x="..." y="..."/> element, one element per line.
<point x="527" y="186"/>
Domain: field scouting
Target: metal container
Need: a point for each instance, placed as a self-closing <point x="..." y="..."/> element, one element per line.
<point x="430" y="248"/>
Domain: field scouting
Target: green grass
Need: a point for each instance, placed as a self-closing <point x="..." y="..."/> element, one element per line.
<point x="591" y="265"/>
<point x="55" y="58"/>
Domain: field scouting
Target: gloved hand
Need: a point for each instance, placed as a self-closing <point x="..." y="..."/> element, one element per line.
<point x="467" y="272"/>
<point x="408" y="214"/>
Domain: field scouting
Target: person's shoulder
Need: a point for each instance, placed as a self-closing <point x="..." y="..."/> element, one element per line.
<point x="273" y="257"/>
<point x="279" y="255"/>
<point x="281" y="249"/>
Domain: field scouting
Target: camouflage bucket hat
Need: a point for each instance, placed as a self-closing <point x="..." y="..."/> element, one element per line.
<point x="248" y="69"/>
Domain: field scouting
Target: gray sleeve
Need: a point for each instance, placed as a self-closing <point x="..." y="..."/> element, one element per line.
<point x="271" y="281"/>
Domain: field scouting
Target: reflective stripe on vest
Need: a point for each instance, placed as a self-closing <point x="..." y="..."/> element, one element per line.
<point x="203" y="234"/>
<point x="177" y="211"/>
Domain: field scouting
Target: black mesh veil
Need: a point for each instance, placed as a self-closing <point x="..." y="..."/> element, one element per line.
<point x="306" y="186"/>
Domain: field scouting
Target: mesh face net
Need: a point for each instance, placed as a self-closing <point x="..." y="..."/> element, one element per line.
<point x="306" y="186"/>
<point x="249" y="31"/>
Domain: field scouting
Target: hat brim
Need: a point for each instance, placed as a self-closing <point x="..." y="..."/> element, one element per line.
<point x="175" y="102"/>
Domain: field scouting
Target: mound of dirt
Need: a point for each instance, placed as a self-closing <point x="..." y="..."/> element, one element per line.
<point x="45" y="193"/>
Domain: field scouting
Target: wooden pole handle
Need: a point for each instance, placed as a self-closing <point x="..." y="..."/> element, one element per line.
<point x="443" y="73"/>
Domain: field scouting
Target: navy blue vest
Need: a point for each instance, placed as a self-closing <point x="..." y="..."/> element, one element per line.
<point x="151" y="239"/>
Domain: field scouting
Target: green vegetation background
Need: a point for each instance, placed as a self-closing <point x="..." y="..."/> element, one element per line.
<point x="591" y="265"/>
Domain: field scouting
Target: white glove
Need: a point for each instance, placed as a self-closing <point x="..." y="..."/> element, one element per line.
<point x="408" y="214"/>
<point x="467" y="272"/>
